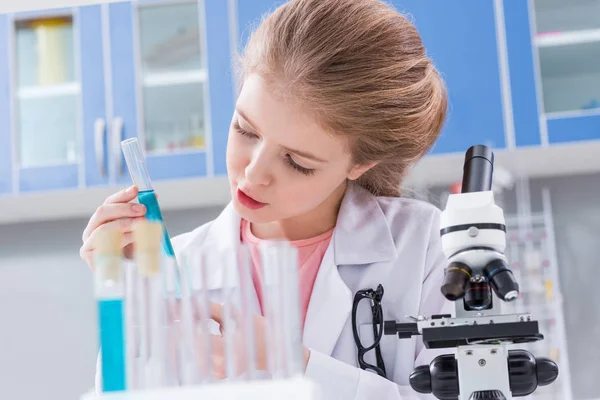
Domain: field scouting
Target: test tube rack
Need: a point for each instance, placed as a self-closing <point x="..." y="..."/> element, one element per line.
<point x="299" y="388"/>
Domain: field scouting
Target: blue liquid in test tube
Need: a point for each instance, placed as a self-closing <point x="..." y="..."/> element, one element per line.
<point x="136" y="164"/>
<point x="110" y="321"/>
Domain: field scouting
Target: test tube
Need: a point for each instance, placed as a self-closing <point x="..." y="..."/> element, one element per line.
<point x="198" y="266"/>
<point x="136" y="164"/>
<point x="109" y="291"/>
<point x="132" y="329"/>
<point x="230" y="312"/>
<point x="175" y="376"/>
<point x="151" y="307"/>
<point x="246" y="297"/>
<point x="188" y="351"/>
<point x="281" y="308"/>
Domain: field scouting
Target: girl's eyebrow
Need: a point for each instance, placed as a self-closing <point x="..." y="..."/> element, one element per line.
<point x="300" y="153"/>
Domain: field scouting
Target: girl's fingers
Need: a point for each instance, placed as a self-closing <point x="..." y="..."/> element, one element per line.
<point x="110" y="212"/>
<point x="122" y="196"/>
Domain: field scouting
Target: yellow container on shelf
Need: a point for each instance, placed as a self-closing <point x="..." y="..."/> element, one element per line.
<point x="51" y="50"/>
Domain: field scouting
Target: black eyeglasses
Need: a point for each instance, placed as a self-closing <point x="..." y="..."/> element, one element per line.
<point x="375" y="297"/>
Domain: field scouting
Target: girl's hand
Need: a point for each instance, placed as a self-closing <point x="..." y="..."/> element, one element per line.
<point x="115" y="213"/>
<point x="260" y="345"/>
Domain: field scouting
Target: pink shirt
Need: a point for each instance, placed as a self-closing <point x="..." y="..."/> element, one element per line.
<point x="310" y="255"/>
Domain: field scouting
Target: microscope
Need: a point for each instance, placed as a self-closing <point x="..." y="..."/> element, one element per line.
<point x="473" y="235"/>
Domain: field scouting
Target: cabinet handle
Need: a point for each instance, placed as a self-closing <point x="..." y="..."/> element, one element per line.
<point x="99" y="133"/>
<point x="117" y="136"/>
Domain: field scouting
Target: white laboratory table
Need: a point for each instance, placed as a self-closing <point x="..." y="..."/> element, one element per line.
<point x="290" y="389"/>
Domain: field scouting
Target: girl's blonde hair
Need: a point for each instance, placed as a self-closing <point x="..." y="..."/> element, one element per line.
<point x="360" y="68"/>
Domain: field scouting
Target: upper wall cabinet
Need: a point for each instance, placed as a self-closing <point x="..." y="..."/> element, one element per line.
<point x="567" y="49"/>
<point x="43" y="100"/>
<point x="76" y="82"/>
<point x="180" y="82"/>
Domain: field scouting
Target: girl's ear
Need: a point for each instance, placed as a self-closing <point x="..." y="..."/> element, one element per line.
<point x="357" y="171"/>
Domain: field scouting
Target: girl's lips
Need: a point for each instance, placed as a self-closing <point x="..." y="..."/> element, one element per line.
<point x="248" y="201"/>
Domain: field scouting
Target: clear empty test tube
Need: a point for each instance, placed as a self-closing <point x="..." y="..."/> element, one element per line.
<point x="109" y="290"/>
<point x="246" y="296"/>
<point x="198" y="265"/>
<point x="138" y="170"/>
<point x="151" y="311"/>
<point x="281" y="309"/>
<point x="173" y="316"/>
<point x="238" y="319"/>
<point x="188" y="355"/>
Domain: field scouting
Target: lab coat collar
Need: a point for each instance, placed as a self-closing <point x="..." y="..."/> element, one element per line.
<point x="362" y="234"/>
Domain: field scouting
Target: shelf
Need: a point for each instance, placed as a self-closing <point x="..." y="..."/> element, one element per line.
<point x="81" y="203"/>
<point x="157" y="79"/>
<point x="534" y="162"/>
<point x="551" y="39"/>
<point x="42" y="92"/>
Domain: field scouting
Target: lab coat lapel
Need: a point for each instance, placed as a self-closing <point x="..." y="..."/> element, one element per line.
<point x="329" y="307"/>
<point x="361" y="237"/>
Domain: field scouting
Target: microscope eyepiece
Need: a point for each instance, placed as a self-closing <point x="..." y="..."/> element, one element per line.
<point x="478" y="169"/>
<point x="502" y="280"/>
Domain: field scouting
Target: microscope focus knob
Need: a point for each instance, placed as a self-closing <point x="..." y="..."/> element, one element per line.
<point x="440" y="378"/>
<point x="488" y="395"/>
<point x="528" y="372"/>
<point x="547" y="371"/>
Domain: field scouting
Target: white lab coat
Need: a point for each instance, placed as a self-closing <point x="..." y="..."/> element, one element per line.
<point x="392" y="241"/>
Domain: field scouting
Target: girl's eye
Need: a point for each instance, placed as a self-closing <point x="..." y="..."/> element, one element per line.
<point x="242" y="132"/>
<point x="288" y="158"/>
<point x="302" y="170"/>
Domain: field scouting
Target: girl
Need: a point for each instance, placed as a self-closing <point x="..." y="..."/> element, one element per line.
<point x="337" y="100"/>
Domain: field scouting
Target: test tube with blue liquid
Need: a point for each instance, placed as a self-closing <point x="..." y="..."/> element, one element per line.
<point x="136" y="164"/>
<point x="109" y="291"/>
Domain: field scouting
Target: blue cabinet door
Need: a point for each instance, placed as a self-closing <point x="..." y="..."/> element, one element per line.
<point x="5" y="102"/>
<point x="45" y="97"/>
<point x="574" y="128"/>
<point x="93" y="95"/>
<point x="461" y="40"/>
<point x="165" y="94"/>
<point x="122" y="112"/>
<point x="221" y="78"/>
<point x="525" y="106"/>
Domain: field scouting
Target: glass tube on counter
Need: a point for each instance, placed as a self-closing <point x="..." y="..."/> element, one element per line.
<point x="188" y="349"/>
<point x="173" y="315"/>
<point x="282" y="309"/>
<point x="109" y="291"/>
<point x="198" y="268"/>
<point x="151" y="305"/>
